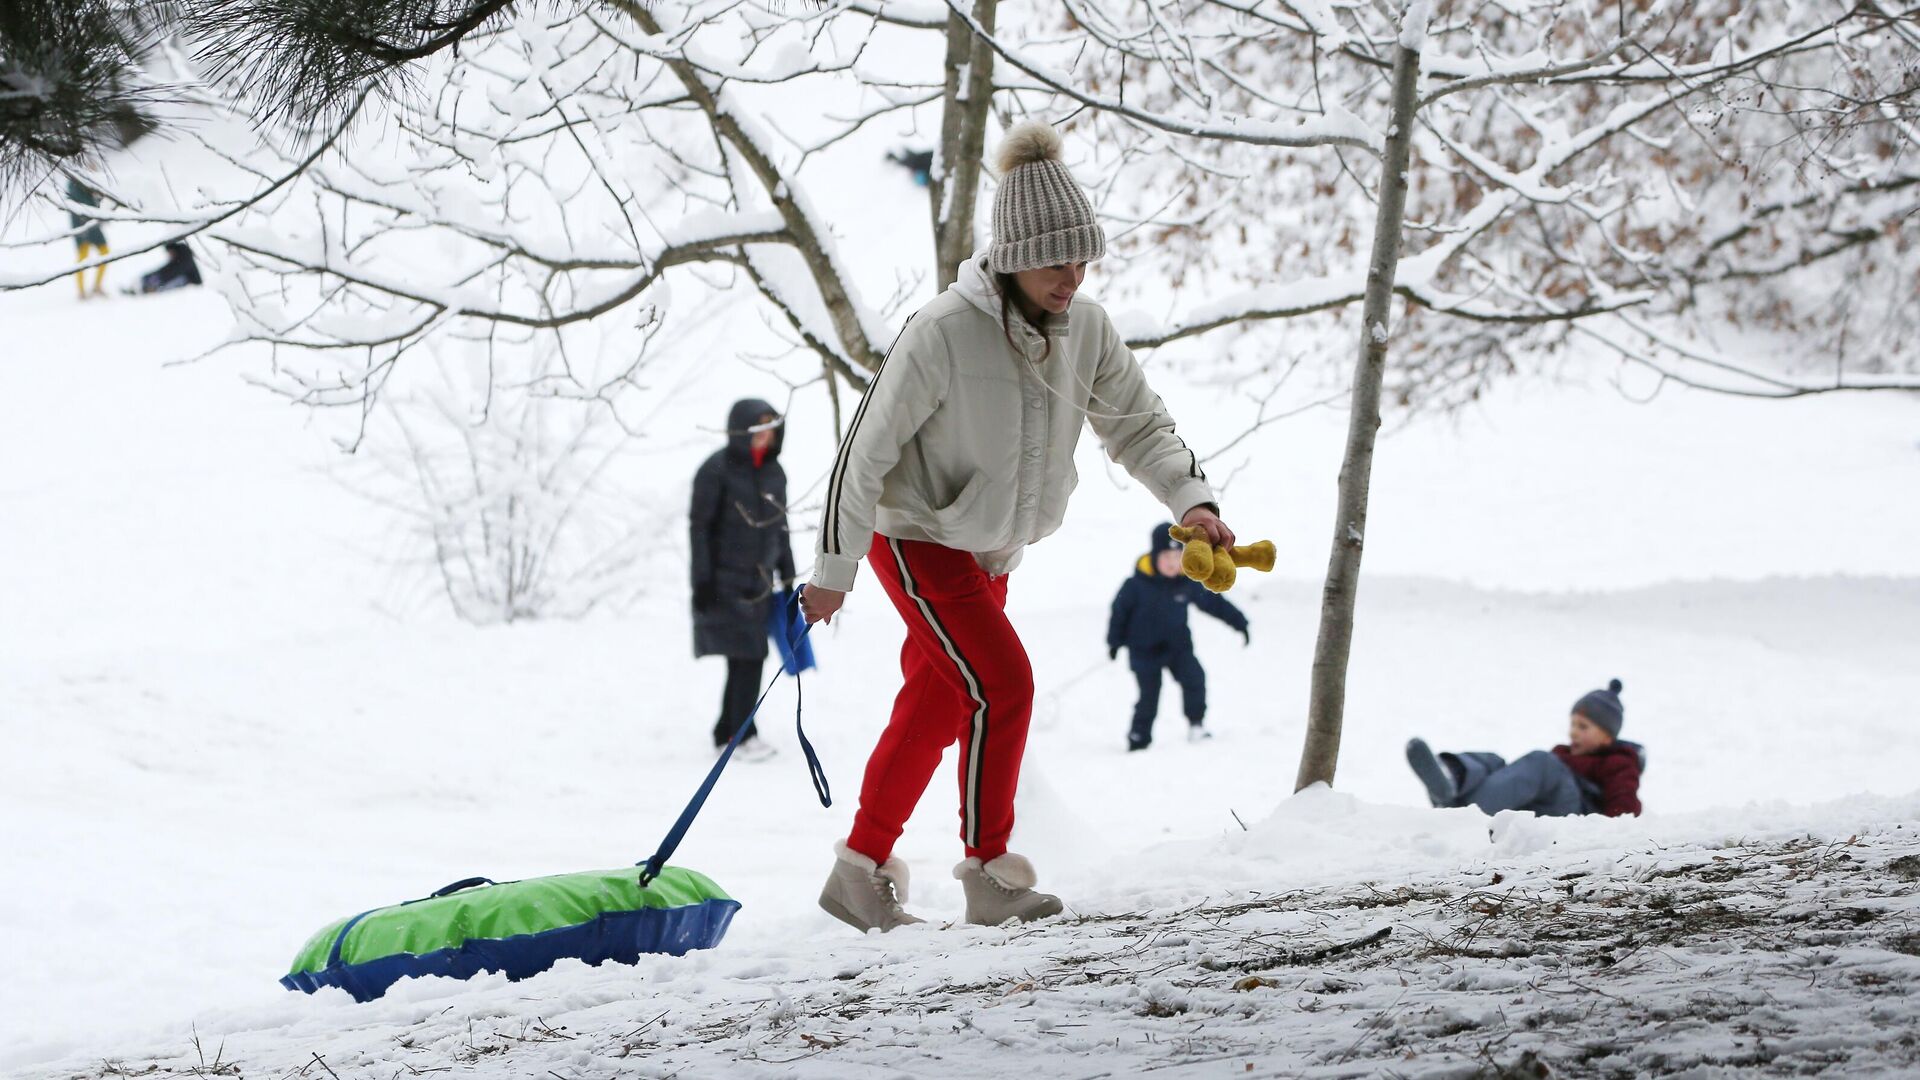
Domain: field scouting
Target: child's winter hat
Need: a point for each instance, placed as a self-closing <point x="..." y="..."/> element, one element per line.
<point x="1040" y="216"/>
<point x="1603" y="708"/>
<point x="1161" y="540"/>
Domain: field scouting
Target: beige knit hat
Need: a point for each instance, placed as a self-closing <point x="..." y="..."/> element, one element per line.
<point x="1040" y="216"/>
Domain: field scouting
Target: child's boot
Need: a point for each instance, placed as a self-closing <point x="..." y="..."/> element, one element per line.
<point x="1442" y="789"/>
<point x="1140" y="734"/>
<point x="1001" y="889"/>
<point x="754" y="748"/>
<point x="866" y="895"/>
<point x="1197" y="731"/>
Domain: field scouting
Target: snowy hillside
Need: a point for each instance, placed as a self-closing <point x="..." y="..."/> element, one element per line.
<point x="1786" y="949"/>
<point x="542" y="249"/>
<point x="227" y="731"/>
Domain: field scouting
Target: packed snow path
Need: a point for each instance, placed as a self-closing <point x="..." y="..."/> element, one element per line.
<point x="1789" y="956"/>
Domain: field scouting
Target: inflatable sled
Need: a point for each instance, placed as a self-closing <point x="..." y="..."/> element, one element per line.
<point x="520" y="928"/>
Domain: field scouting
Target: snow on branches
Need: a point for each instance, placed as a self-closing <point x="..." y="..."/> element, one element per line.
<point x="1671" y="183"/>
<point x="1685" y="185"/>
<point x="554" y="174"/>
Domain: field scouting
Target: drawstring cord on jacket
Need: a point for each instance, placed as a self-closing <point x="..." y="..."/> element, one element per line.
<point x="1034" y="366"/>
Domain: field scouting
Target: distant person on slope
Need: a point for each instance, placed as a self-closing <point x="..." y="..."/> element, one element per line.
<point x="1149" y="620"/>
<point x="741" y="554"/>
<point x="89" y="238"/>
<point x="960" y="455"/>
<point x="178" y="272"/>
<point x="1595" y="772"/>
<point x="917" y="162"/>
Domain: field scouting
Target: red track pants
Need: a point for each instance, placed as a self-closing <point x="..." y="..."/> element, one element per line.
<point x="967" y="678"/>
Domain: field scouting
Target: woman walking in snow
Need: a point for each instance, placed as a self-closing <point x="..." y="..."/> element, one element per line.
<point x="959" y="456"/>
<point x="742" y="552"/>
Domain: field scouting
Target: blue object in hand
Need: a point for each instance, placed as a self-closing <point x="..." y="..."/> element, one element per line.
<point x="787" y="626"/>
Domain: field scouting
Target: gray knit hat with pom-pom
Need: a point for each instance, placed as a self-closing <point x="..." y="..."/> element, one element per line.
<point x="1040" y="216"/>
<point x="1603" y="707"/>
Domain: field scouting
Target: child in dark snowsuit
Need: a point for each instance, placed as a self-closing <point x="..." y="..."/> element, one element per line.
<point x="1150" y="621"/>
<point x="1594" y="772"/>
<point x="742" y="555"/>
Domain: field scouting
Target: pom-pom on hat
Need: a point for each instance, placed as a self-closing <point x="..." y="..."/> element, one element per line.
<point x="1040" y="215"/>
<point x="1603" y="708"/>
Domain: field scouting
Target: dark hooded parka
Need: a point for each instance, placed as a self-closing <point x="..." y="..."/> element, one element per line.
<point x="742" y="552"/>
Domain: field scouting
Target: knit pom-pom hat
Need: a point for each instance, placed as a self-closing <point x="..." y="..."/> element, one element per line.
<point x="1040" y="216"/>
<point x="1603" y="707"/>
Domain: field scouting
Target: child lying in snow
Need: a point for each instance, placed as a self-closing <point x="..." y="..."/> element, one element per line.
<point x="1596" y="772"/>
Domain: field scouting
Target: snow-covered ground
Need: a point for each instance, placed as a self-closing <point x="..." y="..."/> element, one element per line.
<point x="223" y="733"/>
<point x="1789" y="949"/>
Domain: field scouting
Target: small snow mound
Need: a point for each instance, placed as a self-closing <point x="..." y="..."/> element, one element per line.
<point x="1320" y="831"/>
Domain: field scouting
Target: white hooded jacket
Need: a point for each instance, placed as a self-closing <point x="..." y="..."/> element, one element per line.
<point x="968" y="443"/>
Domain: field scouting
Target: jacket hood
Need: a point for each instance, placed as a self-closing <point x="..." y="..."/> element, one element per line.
<point x="743" y="418"/>
<point x="977" y="284"/>
<point x="1157" y="542"/>
<point x="1145" y="568"/>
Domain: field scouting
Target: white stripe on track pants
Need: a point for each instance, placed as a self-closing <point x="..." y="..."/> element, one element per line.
<point x="967" y="679"/>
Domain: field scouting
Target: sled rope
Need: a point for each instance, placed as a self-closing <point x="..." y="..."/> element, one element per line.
<point x="658" y="860"/>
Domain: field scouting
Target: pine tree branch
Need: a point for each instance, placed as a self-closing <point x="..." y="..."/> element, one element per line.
<point x="303" y="60"/>
<point x="69" y="86"/>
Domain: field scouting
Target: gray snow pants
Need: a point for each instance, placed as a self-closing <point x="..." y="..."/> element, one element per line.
<point x="1538" y="782"/>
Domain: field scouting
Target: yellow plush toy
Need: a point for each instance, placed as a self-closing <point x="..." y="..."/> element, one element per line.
<point x="1213" y="565"/>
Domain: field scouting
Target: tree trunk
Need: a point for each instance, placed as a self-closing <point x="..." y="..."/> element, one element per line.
<point x="1327" y="697"/>
<point x="954" y="183"/>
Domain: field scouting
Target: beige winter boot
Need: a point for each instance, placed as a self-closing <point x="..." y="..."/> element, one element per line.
<point x="864" y="895"/>
<point x="1002" y="889"/>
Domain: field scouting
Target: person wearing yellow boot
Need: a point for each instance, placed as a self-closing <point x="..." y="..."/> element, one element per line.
<point x="960" y="455"/>
<point x="89" y="238"/>
<point x="1149" y="620"/>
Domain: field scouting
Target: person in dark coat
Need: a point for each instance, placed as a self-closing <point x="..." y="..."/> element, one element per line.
<point x="1594" y="772"/>
<point x="742" y="555"/>
<point x="1149" y="620"/>
<point x="178" y="272"/>
<point x="89" y="238"/>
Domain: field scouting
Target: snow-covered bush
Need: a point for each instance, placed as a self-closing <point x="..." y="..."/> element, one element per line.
<point x="507" y="505"/>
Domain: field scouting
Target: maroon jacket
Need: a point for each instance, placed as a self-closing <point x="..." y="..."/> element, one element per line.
<point x="1615" y="772"/>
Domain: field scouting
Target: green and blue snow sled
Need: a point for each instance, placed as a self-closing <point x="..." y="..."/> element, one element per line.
<point x="520" y="928"/>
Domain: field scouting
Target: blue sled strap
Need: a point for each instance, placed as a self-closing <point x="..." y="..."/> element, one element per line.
<point x="658" y="860"/>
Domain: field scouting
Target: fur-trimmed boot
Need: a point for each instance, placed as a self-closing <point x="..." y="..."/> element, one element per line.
<point x="866" y="895"/>
<point x="1002" y="889"/>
